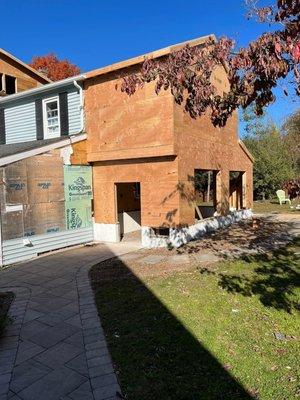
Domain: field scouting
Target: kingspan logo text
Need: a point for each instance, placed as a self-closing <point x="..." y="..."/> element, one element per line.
<point x="80" y="185"/>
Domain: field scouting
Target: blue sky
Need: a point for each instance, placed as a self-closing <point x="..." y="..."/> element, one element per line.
<point x="95" y="33"/>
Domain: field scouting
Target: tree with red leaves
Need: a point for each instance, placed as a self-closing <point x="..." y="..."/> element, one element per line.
<point x="54" y="68"/>
<point x="253" y="71"/>
<point x="292" y="187"/>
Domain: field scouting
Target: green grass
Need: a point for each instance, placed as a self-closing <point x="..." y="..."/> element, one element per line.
<point x="272" y="206"/>
<point x="205" y="333"/>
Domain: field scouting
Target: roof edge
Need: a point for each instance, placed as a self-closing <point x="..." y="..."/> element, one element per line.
<point x="43" y="149"/>
<point x="41" y="89"/>
<point x="17" y="60"/>
<point x="246" y="151"/>
<point x="154" y="54"/>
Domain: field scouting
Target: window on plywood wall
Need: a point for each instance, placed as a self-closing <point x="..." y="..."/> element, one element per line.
<point x="205" y="191"/>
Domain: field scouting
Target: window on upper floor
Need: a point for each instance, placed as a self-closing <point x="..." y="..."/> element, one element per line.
<point x="10" y="84"/>
<point x="51" y="118"/>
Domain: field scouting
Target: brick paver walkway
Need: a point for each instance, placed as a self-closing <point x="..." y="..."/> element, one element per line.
<point x="55" y="348"/>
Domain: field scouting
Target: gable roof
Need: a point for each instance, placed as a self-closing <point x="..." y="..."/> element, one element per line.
<point x="154" y="54"/>
<point x="26" y="66"/>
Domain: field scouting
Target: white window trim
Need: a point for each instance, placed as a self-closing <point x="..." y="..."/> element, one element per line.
<point x="45" y="101"/>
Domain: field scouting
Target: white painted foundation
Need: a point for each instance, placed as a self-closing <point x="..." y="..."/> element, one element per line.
<point x="107" y="232"/>
<point x="181" y="236"/>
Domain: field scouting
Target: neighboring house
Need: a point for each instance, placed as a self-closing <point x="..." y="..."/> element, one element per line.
<point x="149" y="160"/>
<point x="45" y="201"/>
<point x="46" y="112"/>
<point x="16" y="76"/>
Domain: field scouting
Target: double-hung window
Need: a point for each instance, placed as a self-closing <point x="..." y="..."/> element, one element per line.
<point x="51" y="118"/>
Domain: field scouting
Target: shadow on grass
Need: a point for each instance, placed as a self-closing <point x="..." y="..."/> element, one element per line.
<point x="156" y="357"/>
<point x="274" y="279"/>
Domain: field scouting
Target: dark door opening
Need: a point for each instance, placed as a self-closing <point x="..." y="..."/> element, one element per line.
<point x="129" y="207"/>
<point x="236" y="190"/>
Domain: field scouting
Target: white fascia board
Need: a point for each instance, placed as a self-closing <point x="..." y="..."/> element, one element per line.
<point x="43" y="149"/>
<point x="41" y="89"/>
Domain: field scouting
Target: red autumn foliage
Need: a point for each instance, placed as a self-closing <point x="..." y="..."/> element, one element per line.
<point x="292" y="187"/>
<point x="54" y="68"/>
<point x="253" y="71"/>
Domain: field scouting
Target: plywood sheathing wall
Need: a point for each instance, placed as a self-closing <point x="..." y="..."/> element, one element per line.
<point x="147" y="138"/>
<point x="79" y="156"/>
<point x="200" y="145"/>
<point x="130" y="139"/>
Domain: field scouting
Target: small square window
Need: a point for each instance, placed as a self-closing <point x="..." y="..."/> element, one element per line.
<point x="51" y="118"/>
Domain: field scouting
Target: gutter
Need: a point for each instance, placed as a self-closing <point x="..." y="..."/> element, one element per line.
<point x="40" y="150"/>
<point x="75" y="83"/>
<point x="41" y="89"/>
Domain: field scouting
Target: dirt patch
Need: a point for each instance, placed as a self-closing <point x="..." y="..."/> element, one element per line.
<point x="258" y="236"/>
<point x="120" y="268"/>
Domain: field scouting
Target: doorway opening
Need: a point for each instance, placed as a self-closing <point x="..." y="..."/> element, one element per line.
<point x="129" y="209"/>
<point x="236" y="190"/>
<point x="205" y="182"/>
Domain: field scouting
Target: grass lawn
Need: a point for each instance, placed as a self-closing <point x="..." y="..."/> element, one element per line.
<point x="272" y="206"/>
<point x="203" y="332"/>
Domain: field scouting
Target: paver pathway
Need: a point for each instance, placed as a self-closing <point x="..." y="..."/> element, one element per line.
<point x="55" y="348"/>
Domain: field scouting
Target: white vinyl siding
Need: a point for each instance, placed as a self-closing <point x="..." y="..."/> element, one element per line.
<point x="20" y="123"/>
<point x="14" y="250"/>
<point x="74" y="112"/>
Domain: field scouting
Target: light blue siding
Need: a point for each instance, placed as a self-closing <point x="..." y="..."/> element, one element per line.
<point x="14" y="250"/>
<point x="74" y="112"/>
<point x="20" y="123"/>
